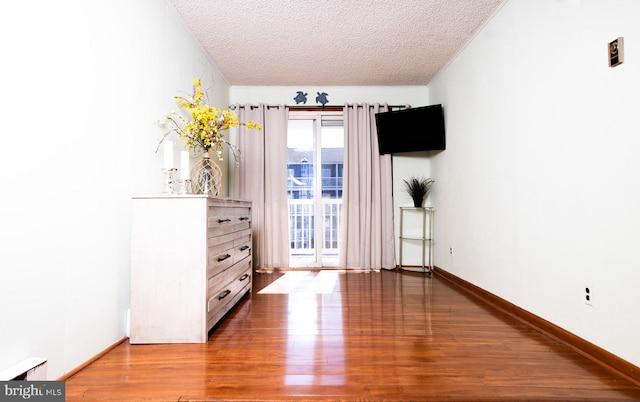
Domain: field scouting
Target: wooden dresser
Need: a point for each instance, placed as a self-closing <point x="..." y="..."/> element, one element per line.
<point x="190" y="265"/>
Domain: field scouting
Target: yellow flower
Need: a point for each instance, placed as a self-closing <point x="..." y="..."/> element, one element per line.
<point x="206" y="130"/>
<point x="253" y="125"/>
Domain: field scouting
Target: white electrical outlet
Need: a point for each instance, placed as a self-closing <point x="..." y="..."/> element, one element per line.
<point x="588" y="296"/>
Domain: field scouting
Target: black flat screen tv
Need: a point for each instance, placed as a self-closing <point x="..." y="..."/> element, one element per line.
<point x="411" y="130"/>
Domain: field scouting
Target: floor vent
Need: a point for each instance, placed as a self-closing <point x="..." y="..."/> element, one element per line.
<point x="31" y="369"/>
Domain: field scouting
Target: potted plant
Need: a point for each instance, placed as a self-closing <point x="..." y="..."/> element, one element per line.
<point x="418" y="188"/>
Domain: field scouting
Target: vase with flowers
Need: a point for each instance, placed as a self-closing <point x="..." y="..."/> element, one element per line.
<point x="204" y="131"/>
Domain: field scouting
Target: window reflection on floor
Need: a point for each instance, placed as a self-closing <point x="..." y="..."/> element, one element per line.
<point x="315" y="342"/>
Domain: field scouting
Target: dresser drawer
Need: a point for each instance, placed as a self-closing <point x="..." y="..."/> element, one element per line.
<point x="227" y="250"/>
<point x="222" y="260"/>
<point x="223" y="243"/>
<point x="223" y="299"/>
<point x="242" y="237"/>
<point x="224" y="216"/>
<point x="217" y="316"/>
<point x="242" y="250"/>
<point x="216" y="282"/>
<point x="234" y="236"/>
<point x="223" y="220"/>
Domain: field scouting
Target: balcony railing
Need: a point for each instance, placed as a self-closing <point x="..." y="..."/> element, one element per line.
<point x="302" y="220"/>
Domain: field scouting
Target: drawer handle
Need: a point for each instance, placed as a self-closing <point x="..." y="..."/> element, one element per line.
<point x="244" y="218"/>
<point x="243" y="277"/>
<point x="224" y="257"/>
<point x="224" y="220"/>
<point x="224" y="294"/>
<point x="244" y="248"/>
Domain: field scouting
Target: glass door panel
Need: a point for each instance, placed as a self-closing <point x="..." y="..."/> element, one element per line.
<point x="332" y="153"/>
<point x="301" y="192"/>
<point x="314" y="186"/>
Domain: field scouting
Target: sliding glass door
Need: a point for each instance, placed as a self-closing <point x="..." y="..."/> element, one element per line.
<point x="315" y="143"/>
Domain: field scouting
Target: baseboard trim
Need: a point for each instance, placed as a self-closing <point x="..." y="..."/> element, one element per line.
<point x="76" y="370"/>
<point x="585" y="348"/>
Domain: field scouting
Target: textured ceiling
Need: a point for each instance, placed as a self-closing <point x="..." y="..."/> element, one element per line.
<point x="332" y="42"/>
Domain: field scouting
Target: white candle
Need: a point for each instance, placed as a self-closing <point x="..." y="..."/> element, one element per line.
<point x="168" y="154"/>
<point x="184" y="165"/>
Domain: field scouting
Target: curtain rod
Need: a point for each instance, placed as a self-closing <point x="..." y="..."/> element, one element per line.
<point x="327" y="108"/>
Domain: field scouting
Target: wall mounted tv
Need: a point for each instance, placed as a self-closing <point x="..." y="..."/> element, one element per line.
<point x="411" y="130"/>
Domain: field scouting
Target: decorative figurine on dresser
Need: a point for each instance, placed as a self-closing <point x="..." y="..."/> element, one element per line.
<point x="190" y="265"/>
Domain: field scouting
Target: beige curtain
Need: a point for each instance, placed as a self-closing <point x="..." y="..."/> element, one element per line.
<point x="261" y="177"/>
<point x="367" y="211"/>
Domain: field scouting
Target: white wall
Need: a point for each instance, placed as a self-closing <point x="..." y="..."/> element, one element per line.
<point x="537" y="192"/>
<point x="83" y="84"/>
<point x="404" y="165"/>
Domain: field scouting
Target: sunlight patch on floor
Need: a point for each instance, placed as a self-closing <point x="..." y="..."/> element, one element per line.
<point x="322" y="283"/>
<point x="286" y="283"/>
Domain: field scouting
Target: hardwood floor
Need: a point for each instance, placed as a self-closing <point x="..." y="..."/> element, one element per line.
<point x="377" y="336"/>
